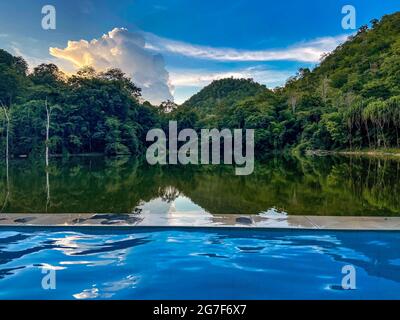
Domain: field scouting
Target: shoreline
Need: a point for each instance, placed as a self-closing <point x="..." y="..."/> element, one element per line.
<point x="365" y="153"/>
<point x="317" y="152"/>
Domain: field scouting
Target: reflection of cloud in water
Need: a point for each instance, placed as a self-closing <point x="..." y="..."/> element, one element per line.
<point x="155" y="206"/>
<point x="68" y="263"/>
<point x="68" y="244"/>
<point x="47" y="266"/>
<point x="108" y="289"/>
<point x="273" y="213"/>
<point x="177" y="212"/>
<point x="87" y="294"/>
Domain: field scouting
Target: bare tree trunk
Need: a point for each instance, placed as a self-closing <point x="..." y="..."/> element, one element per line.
<point x="293" y="102"/>
<point x="369" y="138"/>
<point x="7" y="131"/>
<point x="7" y="155"/>
<point x="350" y="127"/>
<point x="48" y="114"/>
<point x="8" y="191"/>
<point x="325" y="85"/>
<point x="383" y="134"/>
<point x="47" y="133"/>
<point x="7" y="138"/>
<point x="48" y="189"/>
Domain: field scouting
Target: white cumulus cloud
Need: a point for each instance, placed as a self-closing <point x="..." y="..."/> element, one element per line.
<point x="126" y="50"/>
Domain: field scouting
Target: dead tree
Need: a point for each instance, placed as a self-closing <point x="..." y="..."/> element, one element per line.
<point x="48" y="114"/>
<point x="6" y="112"/>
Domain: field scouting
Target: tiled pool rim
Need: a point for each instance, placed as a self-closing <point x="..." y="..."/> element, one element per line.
<point x="199" y="220"/>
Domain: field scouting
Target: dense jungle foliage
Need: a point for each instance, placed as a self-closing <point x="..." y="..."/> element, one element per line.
<point x="350" y="100"/>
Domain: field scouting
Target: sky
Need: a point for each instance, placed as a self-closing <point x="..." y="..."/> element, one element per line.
<point x="173" y="48"/>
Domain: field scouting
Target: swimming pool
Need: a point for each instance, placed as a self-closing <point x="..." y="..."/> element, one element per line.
<point x="196" y="263"/>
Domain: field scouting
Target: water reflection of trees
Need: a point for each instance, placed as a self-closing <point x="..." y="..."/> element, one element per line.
<point x="309" y="185"/>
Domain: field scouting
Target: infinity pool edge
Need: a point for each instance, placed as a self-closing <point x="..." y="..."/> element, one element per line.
<point x="200" y="220"/>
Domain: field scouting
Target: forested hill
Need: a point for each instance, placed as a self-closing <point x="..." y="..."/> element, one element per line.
<point x="224" y="91"/>
<point x="366" y="65"/>
<point x="350" y="100"/>
<point x="90" y="112"/>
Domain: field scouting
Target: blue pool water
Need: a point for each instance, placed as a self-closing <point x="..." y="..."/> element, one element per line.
<point x="177" y="263"/>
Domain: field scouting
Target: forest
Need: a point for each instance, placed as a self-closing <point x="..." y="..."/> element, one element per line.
<point x="349" y="101"/>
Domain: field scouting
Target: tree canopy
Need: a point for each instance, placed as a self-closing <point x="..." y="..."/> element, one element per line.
<point x="350" y="100"/>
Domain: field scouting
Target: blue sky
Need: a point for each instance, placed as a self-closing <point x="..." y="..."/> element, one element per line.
<point x="174" y="47"/>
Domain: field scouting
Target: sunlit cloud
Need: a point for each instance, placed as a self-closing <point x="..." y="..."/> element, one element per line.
<point x="126" y="50"/>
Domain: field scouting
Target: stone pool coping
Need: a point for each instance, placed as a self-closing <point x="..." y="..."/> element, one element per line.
<point x="194" y="219"/>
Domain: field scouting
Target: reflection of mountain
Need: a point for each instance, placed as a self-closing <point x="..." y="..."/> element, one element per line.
<point x="313" y="186"/>
<point x="169" y="194"/>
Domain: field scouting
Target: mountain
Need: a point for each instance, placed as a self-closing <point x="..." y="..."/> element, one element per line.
<point x="368" y="64"/>
<point x="224" y="91"/>
<point x="350" y="100"/>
